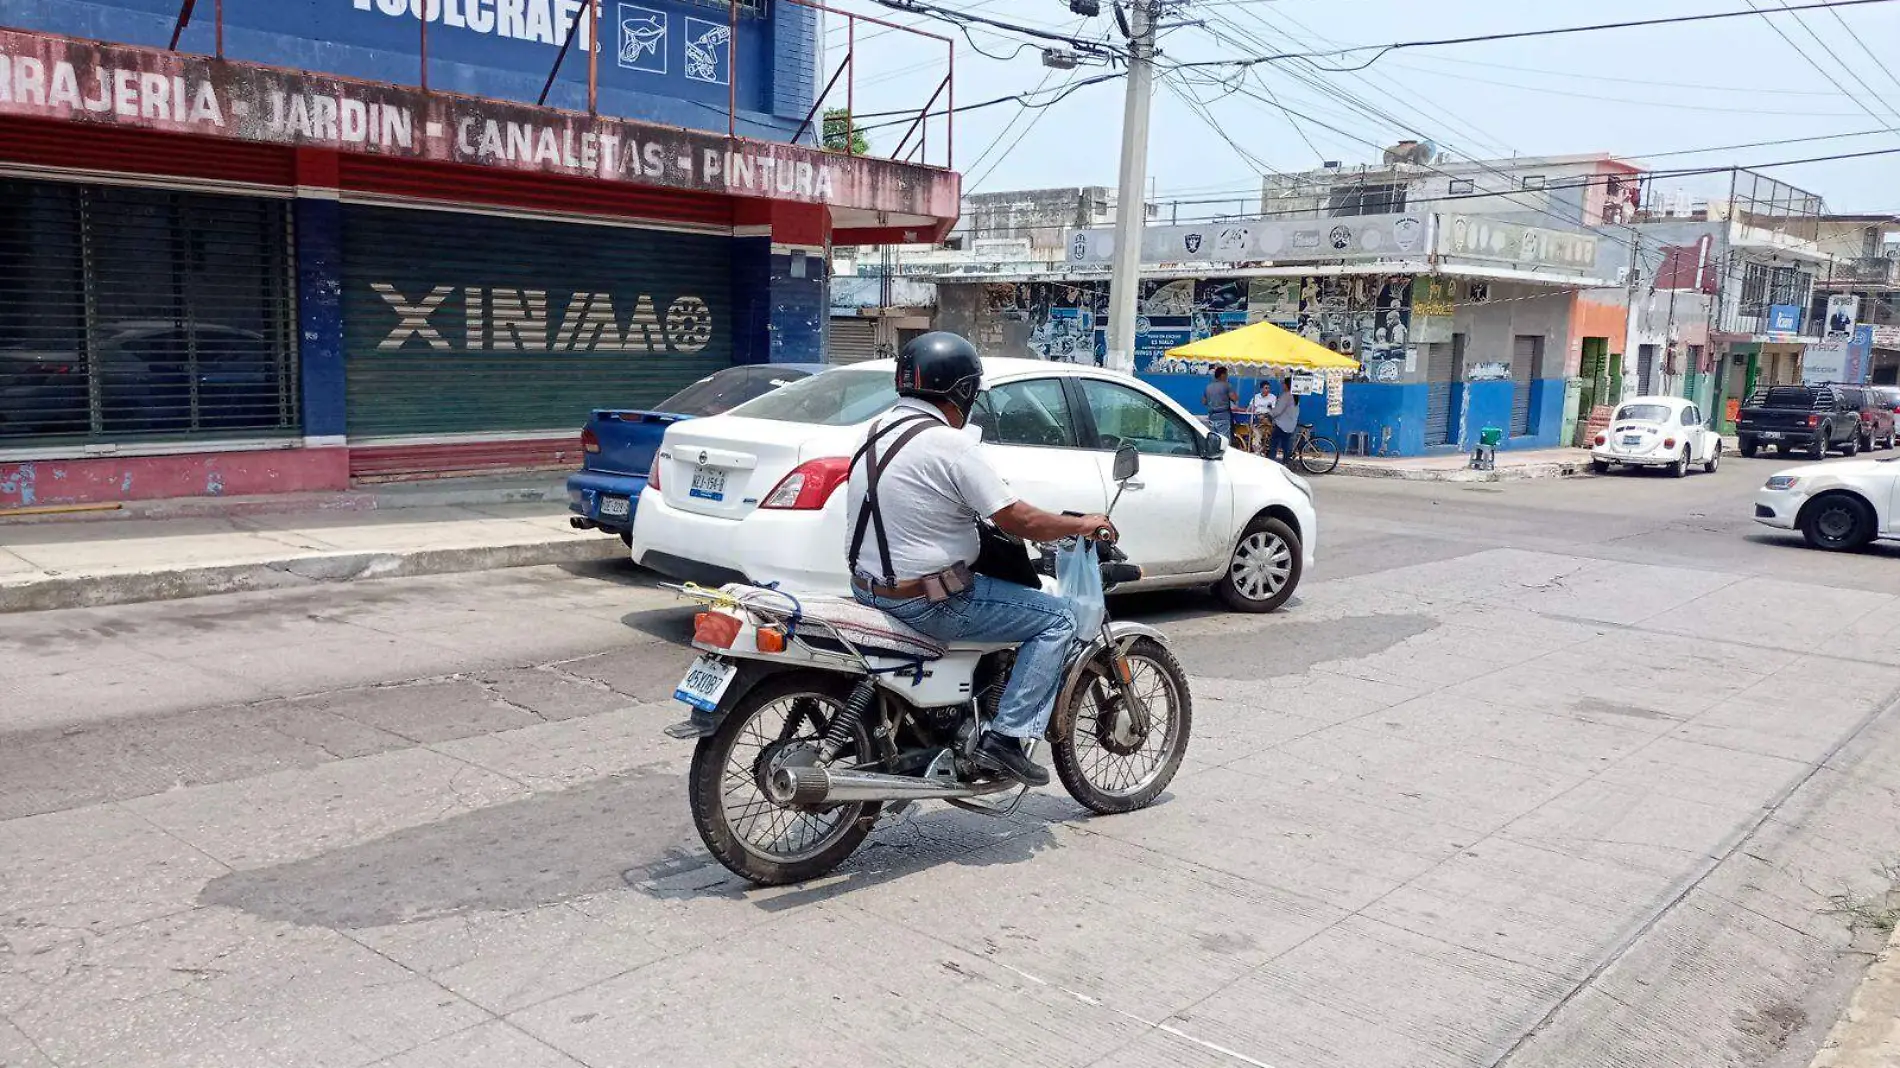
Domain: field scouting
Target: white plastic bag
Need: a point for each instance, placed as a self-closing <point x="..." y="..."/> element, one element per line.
<point x="1079" y="582"/>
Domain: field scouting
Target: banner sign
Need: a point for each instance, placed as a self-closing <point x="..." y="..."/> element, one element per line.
<point x="1477" y="237"/>
<point x="1784" y="319"/>
<point x="87" y="82"/>
<point x="1358" y="237"/>
<point x="1842" y="310"/>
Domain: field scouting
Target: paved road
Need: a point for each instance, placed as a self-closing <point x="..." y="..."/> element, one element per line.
<point x="1581" y="773"/>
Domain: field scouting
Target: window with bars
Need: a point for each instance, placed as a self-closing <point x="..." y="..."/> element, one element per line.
<point x="1789" y="285"/>
<point x="143" y="314"/>
<point x="1754" y="300"/>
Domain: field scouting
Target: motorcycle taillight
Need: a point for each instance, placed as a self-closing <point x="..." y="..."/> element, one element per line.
<point x="715" y="629"/>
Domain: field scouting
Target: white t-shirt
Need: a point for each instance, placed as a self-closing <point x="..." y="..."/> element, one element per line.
<point x="1262" y="406"/>
<point x="930" y="496"/>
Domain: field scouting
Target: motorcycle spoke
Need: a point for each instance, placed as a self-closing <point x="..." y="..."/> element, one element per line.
<point x="765" y="826"/>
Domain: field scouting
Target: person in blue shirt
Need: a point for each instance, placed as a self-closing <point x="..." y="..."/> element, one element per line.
<point x="1219" y="398"/>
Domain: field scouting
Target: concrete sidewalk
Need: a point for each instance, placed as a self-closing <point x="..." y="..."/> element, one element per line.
<point x="1868" y="1032"/>
<point x="380" y="533"/>
<point x="1511" y="465"/>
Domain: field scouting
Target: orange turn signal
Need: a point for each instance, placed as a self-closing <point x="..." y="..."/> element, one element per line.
<point x="771" y="639"/>
<point x="715" y="629"/>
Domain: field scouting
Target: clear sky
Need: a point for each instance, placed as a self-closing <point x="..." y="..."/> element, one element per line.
<point x="1638" y="93"/>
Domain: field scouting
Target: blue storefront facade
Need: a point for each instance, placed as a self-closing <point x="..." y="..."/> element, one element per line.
<point x="1444" y="357"/>
<point x="432" y="283"/>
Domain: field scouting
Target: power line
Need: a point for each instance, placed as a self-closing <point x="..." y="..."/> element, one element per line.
<point x="1380" y="51"/>
<point x="1825" y="50"/>
<point x="1666" y="104"/>
<point x="1423" y="109"/>
<point x="1013" y="98"/>
<point x="1582" y="183"/>
<point x="1878" y="62"/>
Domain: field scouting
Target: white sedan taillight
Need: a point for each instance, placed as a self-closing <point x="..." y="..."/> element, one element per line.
<point x="809" y="485"/>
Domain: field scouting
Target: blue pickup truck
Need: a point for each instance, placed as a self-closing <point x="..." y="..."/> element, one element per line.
<point x="617" y="446"/>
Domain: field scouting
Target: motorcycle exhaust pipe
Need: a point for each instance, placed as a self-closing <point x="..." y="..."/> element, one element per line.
<point x="819" y="786"/>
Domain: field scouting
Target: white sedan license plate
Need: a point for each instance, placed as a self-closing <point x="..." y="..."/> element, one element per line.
<point x="1632" y="439"/>
<point x="613" y="506"/>
<point x="705" y="683"/>
<point x="709" y="483"/>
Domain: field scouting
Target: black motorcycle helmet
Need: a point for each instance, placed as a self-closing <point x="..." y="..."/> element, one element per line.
<point x="940" y="366"/>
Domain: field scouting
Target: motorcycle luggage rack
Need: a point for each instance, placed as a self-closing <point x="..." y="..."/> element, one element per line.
<point x="794" y="618"/>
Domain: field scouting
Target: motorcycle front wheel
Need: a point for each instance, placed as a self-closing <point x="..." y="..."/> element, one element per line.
<point x="1113" y="761"/>
<point x="780" y="723"/>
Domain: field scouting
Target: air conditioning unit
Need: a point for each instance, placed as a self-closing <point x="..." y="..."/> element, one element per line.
<point x="1423" y="153"/>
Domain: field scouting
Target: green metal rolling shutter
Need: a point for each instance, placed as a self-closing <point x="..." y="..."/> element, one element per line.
<point x="461" y="323"/>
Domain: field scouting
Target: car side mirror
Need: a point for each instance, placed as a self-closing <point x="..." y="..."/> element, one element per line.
<point x="1214" y="446"/>
<point x="1127" y="463"/>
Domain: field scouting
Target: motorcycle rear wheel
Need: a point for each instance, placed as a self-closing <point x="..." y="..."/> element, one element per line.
<point x="1086" y="755"/>
<point x="753" y="836"/>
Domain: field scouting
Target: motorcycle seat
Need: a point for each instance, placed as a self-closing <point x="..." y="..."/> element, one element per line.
<point x="873" y="632"/>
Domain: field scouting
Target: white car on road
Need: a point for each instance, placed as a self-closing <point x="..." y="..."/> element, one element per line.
<point x="1835" y="506"/>
<point x="1657" y="432"/>
<point x="752" y="493"/>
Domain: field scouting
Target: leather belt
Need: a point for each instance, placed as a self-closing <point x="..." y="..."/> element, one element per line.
<point x="896" y="591"/>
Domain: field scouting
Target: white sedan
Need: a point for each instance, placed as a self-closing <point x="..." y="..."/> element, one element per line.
<point x="1657" y="432"/>
<point x="1835" y="506"/>
<point x="752" y="493"/>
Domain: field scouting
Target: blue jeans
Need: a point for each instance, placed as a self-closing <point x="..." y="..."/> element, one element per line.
<point x="1221" y="422"/>
<point x="998" y="611"/>
<point x="1280" y="446"/>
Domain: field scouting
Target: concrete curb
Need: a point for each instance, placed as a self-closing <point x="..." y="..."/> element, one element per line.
<point x="1868" y="1033"/>
<point x="39" y="594"/>
<point x="1515" y="473"/>
<point x="444" y="493"/>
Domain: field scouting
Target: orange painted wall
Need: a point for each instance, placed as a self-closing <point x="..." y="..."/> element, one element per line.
<point x="1602" y="314"/>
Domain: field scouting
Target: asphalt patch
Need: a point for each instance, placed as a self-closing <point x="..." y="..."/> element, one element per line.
<point x="1293" y="648"/>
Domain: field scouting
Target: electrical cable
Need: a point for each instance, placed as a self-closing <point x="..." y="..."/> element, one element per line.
<point x="1878" y="62"/>
<point x="1824" y="72"/>
<point x="1380" y="51"/>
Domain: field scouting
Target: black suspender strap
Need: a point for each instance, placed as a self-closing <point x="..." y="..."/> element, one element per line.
<point x="870" y="514"/>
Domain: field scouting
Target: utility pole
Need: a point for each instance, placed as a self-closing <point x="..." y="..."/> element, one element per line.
<point x="1131" y="210"/>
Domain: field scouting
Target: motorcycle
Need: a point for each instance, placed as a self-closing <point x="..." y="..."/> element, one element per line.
<point x="817" y="717"/>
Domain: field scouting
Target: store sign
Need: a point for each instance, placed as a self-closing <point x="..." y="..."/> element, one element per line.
<point x="1359" y="237"/>
<point x="1479" y="237"/>
<point x="1784" y="319"/>
<point x="526" y="320"/>
<point x="1885" y="337"/>
<point x="80" y="81"/>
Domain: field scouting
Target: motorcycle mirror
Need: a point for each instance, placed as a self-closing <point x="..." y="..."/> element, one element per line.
<point x="1127" y="463"/>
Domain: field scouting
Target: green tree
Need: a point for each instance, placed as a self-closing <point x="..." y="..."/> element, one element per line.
<point x="837" y="121"/>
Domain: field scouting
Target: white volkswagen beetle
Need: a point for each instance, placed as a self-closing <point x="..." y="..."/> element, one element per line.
<point x="1657" y="432"/>
<point x="1835" y="506"/>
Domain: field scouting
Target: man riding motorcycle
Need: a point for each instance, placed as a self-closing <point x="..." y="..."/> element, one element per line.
<point x="918" y="488"/>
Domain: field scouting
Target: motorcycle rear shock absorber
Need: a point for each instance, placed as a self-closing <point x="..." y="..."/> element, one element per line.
<point x="844" y="724"/>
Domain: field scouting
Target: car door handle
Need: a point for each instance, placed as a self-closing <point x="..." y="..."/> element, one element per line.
<point x="1133" y="484"/>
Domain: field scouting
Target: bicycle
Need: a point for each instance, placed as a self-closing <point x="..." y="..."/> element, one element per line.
<point x="1319" y="455"/>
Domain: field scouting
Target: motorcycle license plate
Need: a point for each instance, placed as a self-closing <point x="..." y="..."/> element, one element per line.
<point x="613" y="506"/>
<point x="709" y="484"/>
<point x="705" y="683"/>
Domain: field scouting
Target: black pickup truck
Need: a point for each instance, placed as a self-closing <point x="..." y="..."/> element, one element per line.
<point x="1809" y="418"/>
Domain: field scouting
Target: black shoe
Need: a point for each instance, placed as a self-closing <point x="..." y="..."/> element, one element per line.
<point x="1001" y="753"/>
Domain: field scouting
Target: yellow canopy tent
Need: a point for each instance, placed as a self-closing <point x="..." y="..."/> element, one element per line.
<point x="1264" y="345"/>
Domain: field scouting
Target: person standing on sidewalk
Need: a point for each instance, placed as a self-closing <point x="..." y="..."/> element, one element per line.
<point x="1219" y="398"/>
<point x="1286" y="422"/>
